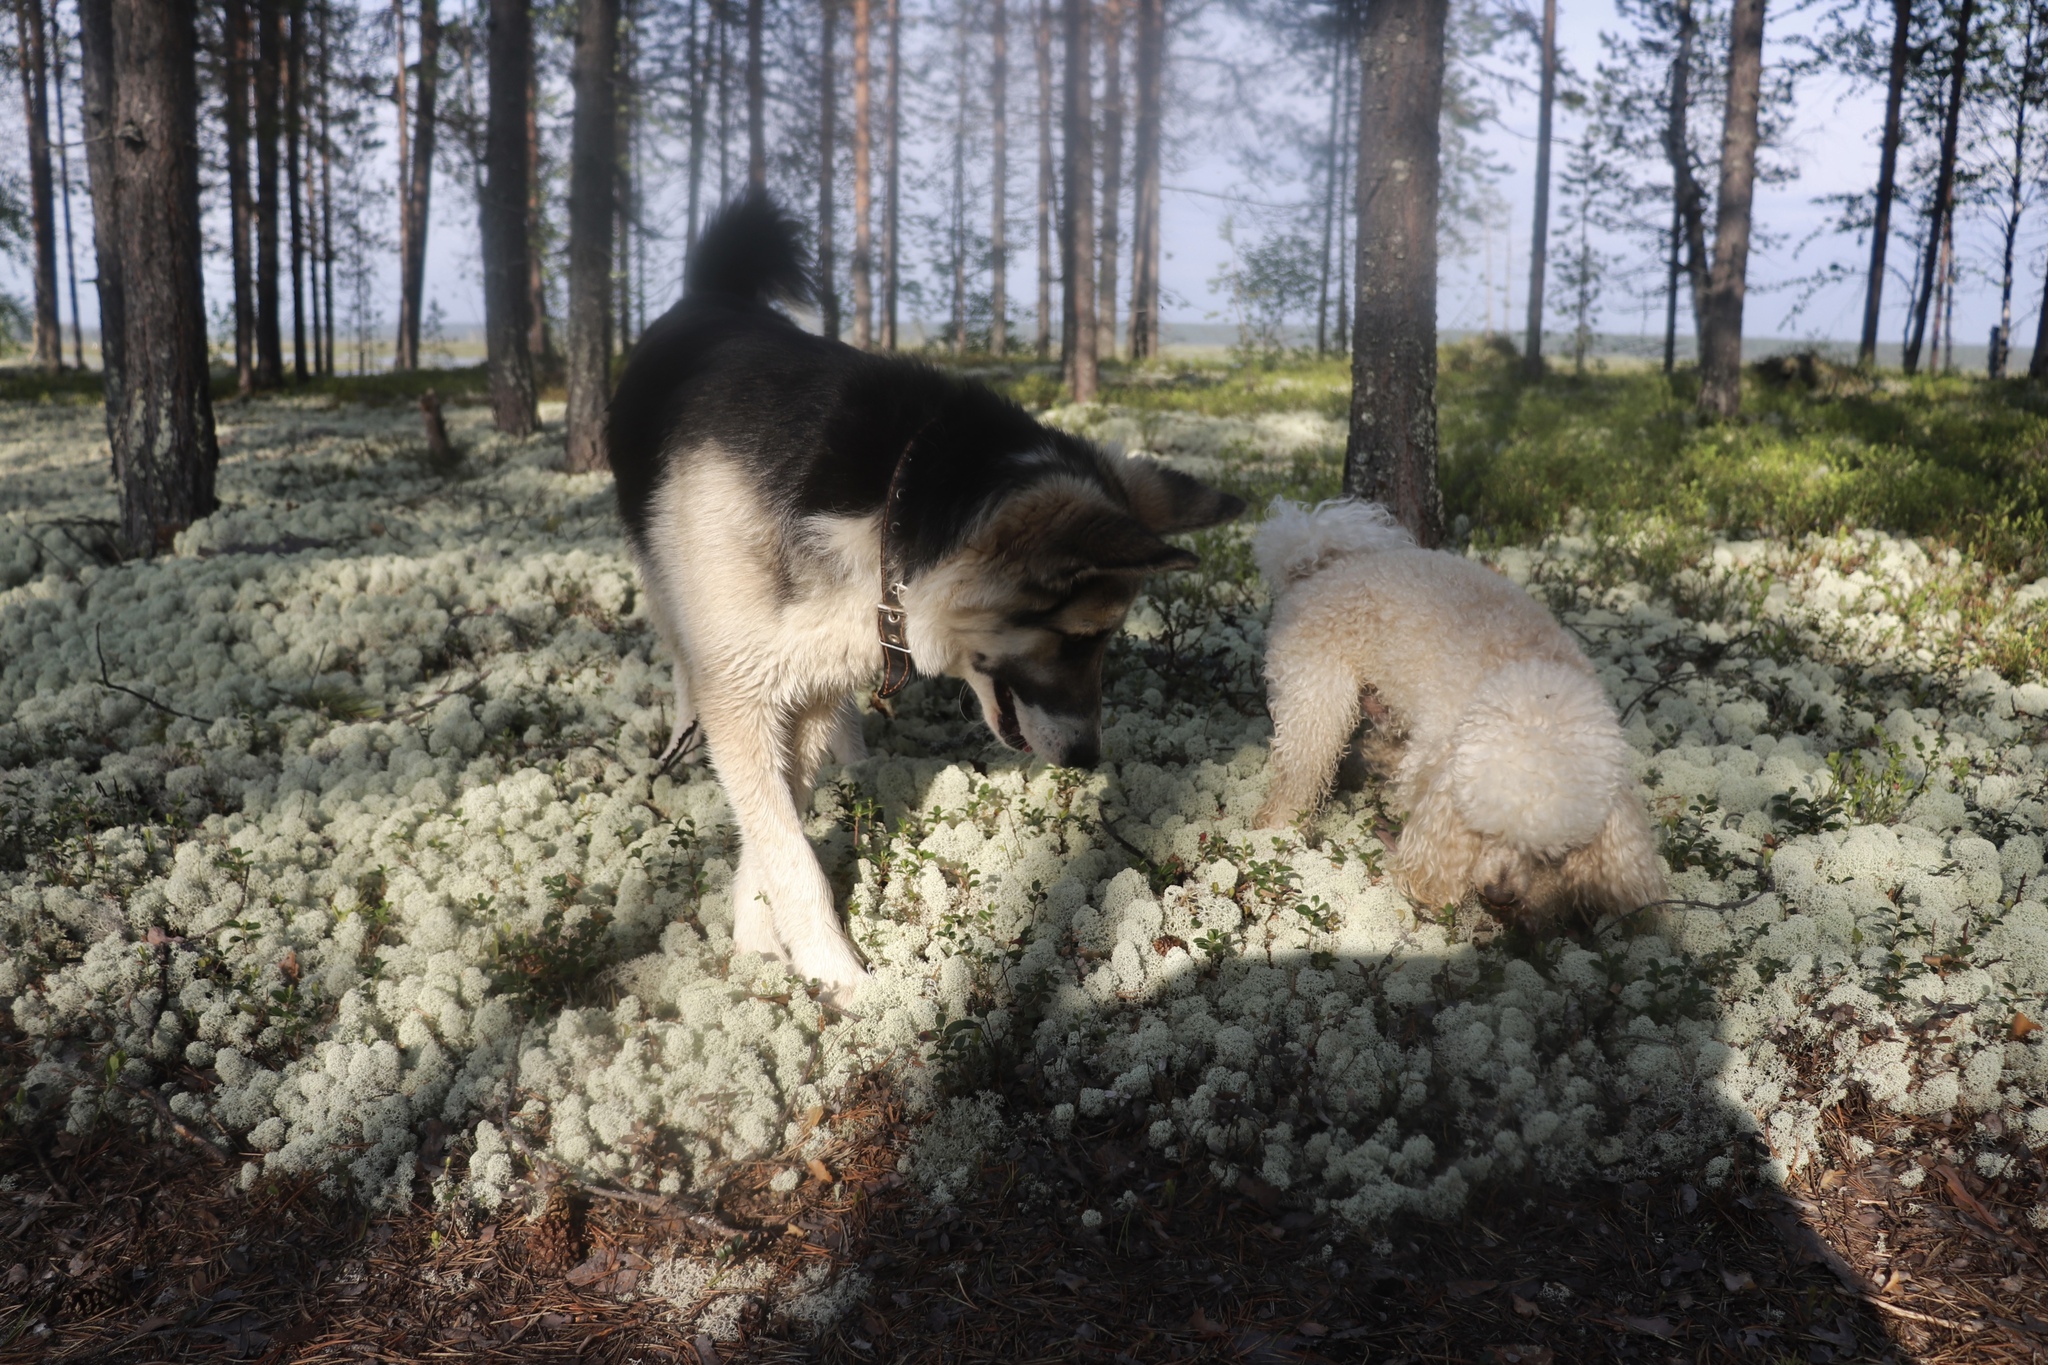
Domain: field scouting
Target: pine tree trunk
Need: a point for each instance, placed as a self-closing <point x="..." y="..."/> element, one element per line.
<point x="2037" y="365"/>
<point x="624" y="222"/>
<point x="235" y="38"/>
<point x="699" y="91"/>
<point x="539" y="344"/>
<point x="1539" y="230"/>
<point x="1945" y="179"/>
<point x="1887" y="176"/>
<point x="1391" y="456"/>
<point x="142" y="109"/>
<point x="1079" y="134"/>
<point x="96" y="125"/>
<point x="327" y="179"/>
<point x="892" y="187"/>
<point x="957" y="217"/>
<point x="1149" y="74"/>
<point x="828" y="127"/>
<point x="418" y="190"/>
<point x="1721" y="332"/>
<point x="1689" y="201"/>
<point x="999" y="192"/>
<point x="1344" y="219"/>
<point x="64" y="189"/>
<point x="1329" y="196"/>
<point x="501" y="216"/>
<point x="591" y="156"/>
<point x="863" y="176"/>
<point x="1042" y="46"/>
<point x="35" y="98"/>
<point x="1112" y="174"/>
<point x="294" y="93"/>
<point x="757" y="132"/>
<point x="269" y="68"/>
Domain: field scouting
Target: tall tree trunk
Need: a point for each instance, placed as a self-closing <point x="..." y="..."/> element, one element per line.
<point x="1079" y="133"/>
<point x="35" y="98"/>
<point x="327" y="178"/>
<point x="957" y="210"/>
<point x="2016" y="184"/>
<point x="1112" y="174"/>
<point x="310" y="169"/>
<point x="1391" y="456"/>
<point x="236" y="39"/>
<point x="1344" y="220"/>
<point x="892" y="186"/>
<point x="999" y="192"/>
<point x="1671" y="292"/>
<point x="1887" y="177"/>
<point x="64" y="188"/>
<point x="698" y="88"/>
<point x="418" y="191"/>
<point x="539" y="344"/>
<point x="2037" y="365"/>
<point x="142" y="109"/>
<point x="1689" y="201"/>
<point x="1948" y="295"/>
<point x="1149" y="74"/>
<point x="1329" y="192"/>
<point x="828" y="128"/>
<point x="294" y="94"/>
<point x="269" y="69"/>
<point x="1721" y="332"/>
<point x="96" y="124"/>
<point x="1539" y="228"/>
<point x="501" y="217"/>
<point x="1042" y="45"/>
<point x="624" y="104"/>
<point x="757" y="133"/>
<point x="1945" y="179"/>
<point x="724" y="23"/>
<point x="863" y="176"/>
<point x="591" y="155"/>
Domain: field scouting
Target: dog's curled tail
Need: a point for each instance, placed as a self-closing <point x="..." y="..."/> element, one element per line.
<point x="750" y="250"/>
<point x="1294" y="541"/>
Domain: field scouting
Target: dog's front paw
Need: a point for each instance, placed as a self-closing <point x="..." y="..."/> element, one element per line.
<point x="834" y="964"/>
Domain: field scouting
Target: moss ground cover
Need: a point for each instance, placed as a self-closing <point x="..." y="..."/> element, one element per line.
<point x="337" y="835"/>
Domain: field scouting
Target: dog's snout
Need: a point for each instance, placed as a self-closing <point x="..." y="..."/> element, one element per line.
<point x="1500" y="894"/>
<point x="1082" y="753"/>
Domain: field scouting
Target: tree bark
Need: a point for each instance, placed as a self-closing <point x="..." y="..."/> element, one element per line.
<point x="1079" y="209"/>
<point x="957" y="224"/>
<point x="1344" y="220"/>
<point x="1112" y="173"/>
<point x="1391" y="456"/>
<point x="2037" y="366"/>
<point x="999" y="193"/>
<point x="1042" y="45"/>
<point x="1539" y="228"/>
<point x="757" y="146"/>
<point x="892" y="188"/>
<point x="96" y="124"/>
<point x="625" y="173"/>
<point x="418" y="191"/>
<point x="2016" y="201"/>
<point x="236" y="39"/>
<point x="142" y="108"/>
<point x="327" y="179"/>
<point x="269" y="66"/>
<point x="35" y="98"/>
<point x="64" y="189"/>
<point x="1149" y="75"/>
<point x="539" y="343"/>
<point x="501" y="218"/>
<point x="828" y="127"/>
<point x="699" y="92"/>
<point x="591" y="154"/>
<point x="294" y="93"/>
<point x="1688" y="200"/>
<point x="1721" y="330"/>
<point x="1329" y="193"/>
<point x="1945" y="180"/>
<point x="1887" y="176"/>
<point x="863" y="176"/>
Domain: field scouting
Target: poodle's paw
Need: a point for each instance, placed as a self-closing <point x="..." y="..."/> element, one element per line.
<point x="1275" y="813"/>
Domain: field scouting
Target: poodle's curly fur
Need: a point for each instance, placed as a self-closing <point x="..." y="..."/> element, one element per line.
<point x="1505" y="752"/>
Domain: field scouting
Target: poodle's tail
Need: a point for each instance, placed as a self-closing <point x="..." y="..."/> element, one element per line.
<point x="1294" y="541"/>
<point x="751" y="250"/>
<point x="1539" y="762"/>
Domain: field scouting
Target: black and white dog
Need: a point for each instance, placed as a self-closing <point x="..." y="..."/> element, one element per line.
<point x="806" y="517"/>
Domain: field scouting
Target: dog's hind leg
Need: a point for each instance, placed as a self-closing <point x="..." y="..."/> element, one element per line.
<point x="1315" y="703"/>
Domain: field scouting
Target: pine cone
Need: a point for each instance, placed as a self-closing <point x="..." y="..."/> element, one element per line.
<point x="551" y="1242"/>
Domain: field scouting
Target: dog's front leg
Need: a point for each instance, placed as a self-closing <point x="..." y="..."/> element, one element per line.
<point x="782" y="904"/>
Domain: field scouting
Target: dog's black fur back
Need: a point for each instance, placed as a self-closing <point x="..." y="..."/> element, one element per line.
<point x="819" y="425"/>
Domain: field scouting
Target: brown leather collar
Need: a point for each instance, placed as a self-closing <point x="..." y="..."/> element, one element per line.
<point x="891" y="622"/>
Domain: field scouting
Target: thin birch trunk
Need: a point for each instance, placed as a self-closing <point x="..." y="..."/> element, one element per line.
<point x="1042" y="46"/>
<point x="1539" y="228"/>
<point x="235" y="36"/>
<point x="957" y="210"/>
<point x="1149" y="73"/>
<point x="501" y="215"/>
<point x="892" y="151"/>
<point x="1329" y="195"/>
<point x="64" y="186"/>
<point x="1721" y="332"/>
<point x="1945" y="179"/>
<point x="863" y="176"/>
<point x="1887" y="178"/>
<point x="1112" y="173"/>
<point x="35" y="98"/>
<point x="999" y="193"/>
<point x="418" y="193"/>
<point x="1347" y="191"/>
<point x="1079" y="344"/>
<point x="591" y="177"/>
<point x="828" y="127"/>
<point x="327" y="175"/>
<point x="1391" y="456"/>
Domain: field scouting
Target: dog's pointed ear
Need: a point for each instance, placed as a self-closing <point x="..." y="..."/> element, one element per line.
<point x="1106" y="543"/>
<point x="1166" y="500"/>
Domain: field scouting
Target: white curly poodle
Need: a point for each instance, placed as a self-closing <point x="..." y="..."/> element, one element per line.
<point x="1503" y="749"/>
